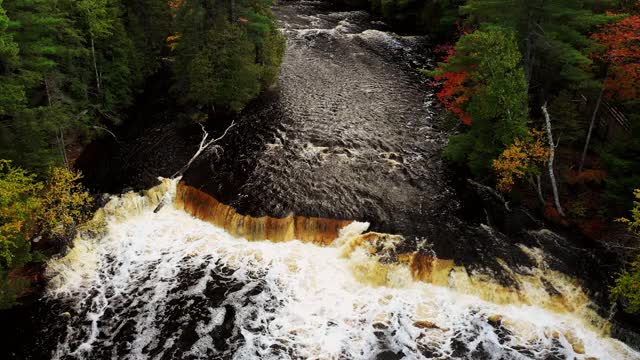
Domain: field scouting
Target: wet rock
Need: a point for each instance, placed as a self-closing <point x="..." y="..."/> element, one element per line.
<point x="425" y="324"/>
<point x="495" y="320"/>
<point x="390" y="355"/>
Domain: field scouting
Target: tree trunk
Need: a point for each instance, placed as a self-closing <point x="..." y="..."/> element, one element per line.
<point x="46" y="88"/>
<point x="64" y="150"/>
<point x="591" y="126"/>
<point x="552" y="153"/>
<point x="537" y="184"/>
<point x="528" y="58"/>
<point x="95" y="64"/>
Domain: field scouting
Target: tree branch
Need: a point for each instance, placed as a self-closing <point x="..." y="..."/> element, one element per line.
<point x="202" y="147"/>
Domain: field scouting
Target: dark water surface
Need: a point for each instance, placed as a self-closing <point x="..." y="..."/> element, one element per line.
<point x="351" y="131"/>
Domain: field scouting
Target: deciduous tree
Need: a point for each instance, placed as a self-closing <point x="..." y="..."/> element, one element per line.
<point x="486" y="87"/>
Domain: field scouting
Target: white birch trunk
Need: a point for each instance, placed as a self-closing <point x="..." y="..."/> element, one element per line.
<point x="591" y="126"/>
<point x="552" y="153"/>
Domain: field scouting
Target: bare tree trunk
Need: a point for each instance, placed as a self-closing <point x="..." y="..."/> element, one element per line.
<point x="537" y="184"/>
<point x="528" y="58"/>
<point x="591" y="125"/>
<point x="552" y="153"/>
<point x="95" y="64"/>
<point x="46" y="88"/>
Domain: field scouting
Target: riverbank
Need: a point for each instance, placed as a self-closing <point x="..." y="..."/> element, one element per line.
<point x="351" y="132"/>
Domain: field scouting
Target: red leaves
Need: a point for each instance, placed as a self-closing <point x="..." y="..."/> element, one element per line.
<point x="452" y="96"/>
<point x="454" y="93"/>
<point x="622" y="43"/>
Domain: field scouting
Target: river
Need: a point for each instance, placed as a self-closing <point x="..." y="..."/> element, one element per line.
<point x="324" y="226"/>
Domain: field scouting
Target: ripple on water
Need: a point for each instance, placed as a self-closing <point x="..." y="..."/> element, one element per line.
<point x="167" y="285"/>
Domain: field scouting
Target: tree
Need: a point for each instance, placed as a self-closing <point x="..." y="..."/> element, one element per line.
<point x="29" y="207"/>
<point x="148" y="24"/>
<point x="18" y="204"/>
<point x="621" y="57"/>
<point x="620" y="53"/>
<point x="12" y="94"/>
<point x="227" y="52"/>
<point x="552" y="146"/>
<point x="50" y="72"/>
<point x="627" y="284"/>
<point x="552" y="35"/>
<point x="64" y="203"/>
<point x="522" y="160"/>
<point x="99" y="25"/>
<point x="621" y="42"/>
<point x="489" y="93"/>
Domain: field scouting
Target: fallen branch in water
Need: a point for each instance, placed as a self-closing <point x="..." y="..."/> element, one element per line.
<point x="202" y="147"/>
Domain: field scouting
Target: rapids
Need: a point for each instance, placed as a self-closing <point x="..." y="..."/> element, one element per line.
<point x="262" y="251"/>
<point x="166" y="285"/>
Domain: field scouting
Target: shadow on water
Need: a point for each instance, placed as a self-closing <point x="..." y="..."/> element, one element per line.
<point x="351" y="132"/>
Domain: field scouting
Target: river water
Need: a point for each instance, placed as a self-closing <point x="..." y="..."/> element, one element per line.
<point x="351" y="133"/>
<point x="166" y="285"/>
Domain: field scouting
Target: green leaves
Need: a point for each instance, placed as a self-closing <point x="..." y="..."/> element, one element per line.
<point x="497" y="96"/>
<point x="27" y="207"/>
<point x="227" y="52"/>
<point x="553" y="35"/>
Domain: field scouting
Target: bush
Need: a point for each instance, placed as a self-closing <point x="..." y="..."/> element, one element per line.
<point x="627" y="284"/>
<point x="29" y="207"/>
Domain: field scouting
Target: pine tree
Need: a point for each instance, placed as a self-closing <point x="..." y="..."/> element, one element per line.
<point x="553" y="37"/>
<point x="227" y="52"/>
<point x="148" y="23"/>
<point x="51" y="71"/>
<point x="12" y="93"/>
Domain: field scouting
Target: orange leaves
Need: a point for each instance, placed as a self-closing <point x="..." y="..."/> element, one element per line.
<point x="452" y="96"/>
<point x="172" y="40"/>
<point x="587" y="176"/>
<point x="175" y="5"/>
<point x="519" y="159"/>
<point x="622" y="51"/>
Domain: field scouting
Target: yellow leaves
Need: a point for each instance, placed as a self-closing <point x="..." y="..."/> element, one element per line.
<point x="62" y="201"/>
<point x="634" y="223"/>
<point x="28" y="206"/>
<point x="18" y="203"/>
<point x="173" y="40"/>
<point x="519" y="159"/>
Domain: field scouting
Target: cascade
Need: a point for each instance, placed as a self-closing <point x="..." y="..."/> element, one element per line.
<point x="165" y="284"/>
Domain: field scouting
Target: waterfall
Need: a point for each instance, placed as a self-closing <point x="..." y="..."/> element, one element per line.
<point x="168" y="285"/>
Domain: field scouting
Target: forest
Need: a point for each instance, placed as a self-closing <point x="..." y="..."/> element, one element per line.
<point x="71" y="70"/>
<point x="541" y="101"/>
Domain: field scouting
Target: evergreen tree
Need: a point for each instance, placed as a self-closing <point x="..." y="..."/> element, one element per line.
<point x="552" y="35"/>
<point x="11" y="92"/>
<point x="51" y="72"/>
<point x="227" y="52"/>
<point x="148" y="23"/>
<point x="491" y="97"/>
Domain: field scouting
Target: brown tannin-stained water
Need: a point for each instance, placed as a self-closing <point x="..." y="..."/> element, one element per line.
<point x="262" y="252"/>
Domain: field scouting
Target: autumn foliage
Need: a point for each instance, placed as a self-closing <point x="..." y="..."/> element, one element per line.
<point x="30" y="208"/>
<point x="622" y="52"/>
<point x="453" y="95"/>
<point x="523" y="157"/>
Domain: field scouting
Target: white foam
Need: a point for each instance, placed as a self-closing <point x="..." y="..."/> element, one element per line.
<point x="310" y="303"/>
